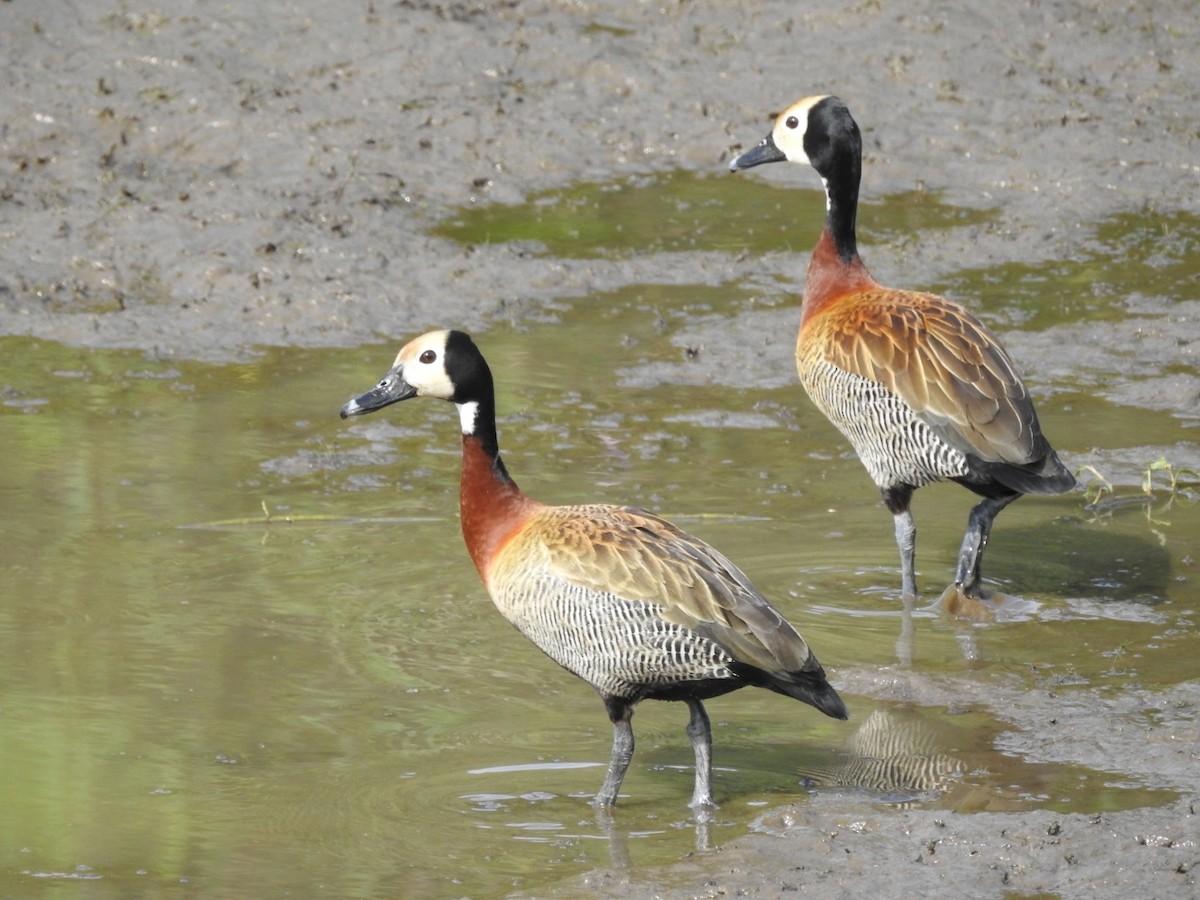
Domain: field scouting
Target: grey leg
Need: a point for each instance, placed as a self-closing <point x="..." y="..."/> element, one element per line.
<point x="906" y="540"/>
<point x="700" y="731"/>
<point x="620" y="713"/>
<point x="979" y="529"/>
<point x="896" y="498"/>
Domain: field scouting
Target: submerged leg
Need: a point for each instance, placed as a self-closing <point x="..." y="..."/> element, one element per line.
<point x="897" y="499"/>
<point x="700" y="731"/>
<point x="620" y="712"/>
<point x="979" y="529"/>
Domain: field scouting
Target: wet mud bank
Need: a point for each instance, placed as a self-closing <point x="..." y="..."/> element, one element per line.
<point x="199" y="184"/>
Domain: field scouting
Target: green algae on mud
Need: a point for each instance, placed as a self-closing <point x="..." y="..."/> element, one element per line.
<point x="1137" y="262"/>
<point x="1146" y="253"/>
<point x="682" y="210"/>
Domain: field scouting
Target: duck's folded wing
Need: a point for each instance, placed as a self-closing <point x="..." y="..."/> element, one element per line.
<point x="945" y="364"/>
<point x="640" y="557"/>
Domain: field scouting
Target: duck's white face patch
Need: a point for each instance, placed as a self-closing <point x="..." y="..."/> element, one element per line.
<point x="422" y="362"/>
<point x="788" y="134"/>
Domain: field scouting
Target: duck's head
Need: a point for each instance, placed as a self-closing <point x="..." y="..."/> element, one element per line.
<point x="442" y="364"/>
<point x="816" y="130"/>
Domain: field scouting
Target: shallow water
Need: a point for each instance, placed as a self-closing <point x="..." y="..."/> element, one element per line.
<point x="244" y="652"/>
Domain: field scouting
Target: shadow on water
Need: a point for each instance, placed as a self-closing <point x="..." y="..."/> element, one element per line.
<point x="242" y="644"/>
<point x="1080" y="559"/>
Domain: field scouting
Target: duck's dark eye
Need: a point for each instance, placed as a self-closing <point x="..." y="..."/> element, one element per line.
<point x="792" y="122"/>
<point x="428" y="356"/>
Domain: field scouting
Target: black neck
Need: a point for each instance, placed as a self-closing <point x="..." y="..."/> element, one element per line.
<point x="840" y="220"/>
<point x="834" y="147"/>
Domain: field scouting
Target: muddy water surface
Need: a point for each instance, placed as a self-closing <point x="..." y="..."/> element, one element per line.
<point x="243" y="649"/>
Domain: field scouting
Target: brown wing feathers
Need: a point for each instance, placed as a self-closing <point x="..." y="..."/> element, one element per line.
<point x="639" y="556"/>
<point x="943" y="363"/>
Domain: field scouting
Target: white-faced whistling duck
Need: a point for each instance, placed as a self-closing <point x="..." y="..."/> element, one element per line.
<point x="623" y="599"/>
<point x="920" y="387"/>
